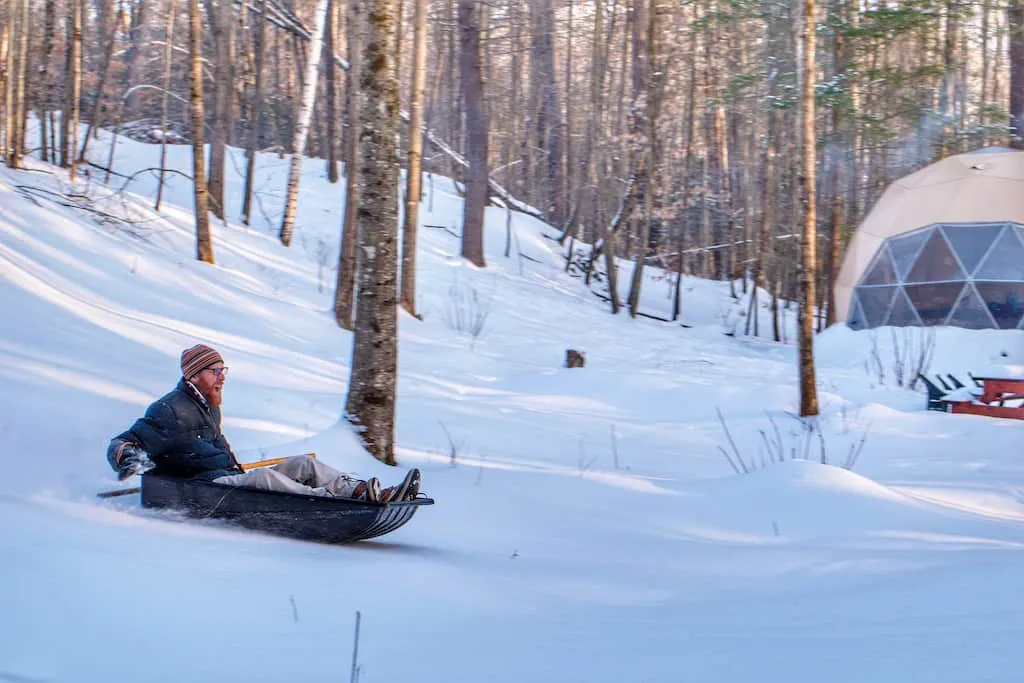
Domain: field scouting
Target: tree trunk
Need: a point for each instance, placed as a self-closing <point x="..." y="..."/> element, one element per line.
<point x="45" y="101"/>
<point x="808" y="239"/>
<point x="303" y="116"/>
<point x="347" y="266"/>
<point x="371" y="396"/>
<point x="204" y="242"/>
<point x="835" y="161"/>
<point x="687" y="160"/>
<point x="94" y="116"/>
<point x="643" y="128"/>
<point x="611" y="237"/>
<point x="332" y="110"/>
<point x="72" y="88"/>
<point x="7" y="54"/>
<point x="549" y="120"/>
<point x="949" y="73"/>
<point x="986" y="11"/>
<point x="131" y="76"/>
<point x="255" y="115"/>
<point x="728" y="262"/>
<point x="414" y="173"/>
<point x="138" y="37"/>
<point x="17" y="147"/>
<point x="168" y="53"/>
<point x="476" y="134"/>
<point x="1015" y="28"/>
<point x="222" y="26"/>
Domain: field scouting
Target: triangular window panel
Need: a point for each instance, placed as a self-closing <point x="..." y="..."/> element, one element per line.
<point x="904" y="248"/>
<point x="875" y="302"/>
<point x="856" y="319"/>
<point x="935" y="262"/>
<point x="902" y="313"/>
<point x="1019" y="229"/>
<point x="1004" y="300"/>
<point x="971" y="312"/>
<point x="934" y="301"/>
<point x="880" y="272"/>
<point x="1005" y="261"/>
<point x="971" y="241"/>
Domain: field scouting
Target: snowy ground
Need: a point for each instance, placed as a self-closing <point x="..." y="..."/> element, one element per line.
<point x="588" y="528"/>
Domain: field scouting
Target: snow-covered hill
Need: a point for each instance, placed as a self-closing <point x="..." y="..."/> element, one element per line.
<point x="588" y="526"/>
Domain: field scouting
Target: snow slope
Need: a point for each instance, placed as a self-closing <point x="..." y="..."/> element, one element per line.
<point x="588" y="526"/>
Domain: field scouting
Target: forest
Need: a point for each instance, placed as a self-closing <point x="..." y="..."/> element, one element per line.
<point x="738" y="140"/>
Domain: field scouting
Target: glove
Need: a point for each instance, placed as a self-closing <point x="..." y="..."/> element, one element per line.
<point x="134" y="460"/>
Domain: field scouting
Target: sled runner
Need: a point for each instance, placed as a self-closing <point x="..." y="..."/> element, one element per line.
<point x="310" y="518"/>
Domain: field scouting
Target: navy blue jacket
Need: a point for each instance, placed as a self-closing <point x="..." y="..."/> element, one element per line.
<point x="181" y="432"/>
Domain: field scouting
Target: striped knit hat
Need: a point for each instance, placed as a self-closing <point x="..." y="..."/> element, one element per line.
<point x="197" y="359"/>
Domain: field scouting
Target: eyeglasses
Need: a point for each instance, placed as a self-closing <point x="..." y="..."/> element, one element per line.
<point x="219" y="372"/>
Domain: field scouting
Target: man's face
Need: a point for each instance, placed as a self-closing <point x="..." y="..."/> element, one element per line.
<point x="210" y="382"/>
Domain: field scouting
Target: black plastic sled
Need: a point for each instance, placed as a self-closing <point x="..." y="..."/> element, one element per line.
<point x="309" y="518"/>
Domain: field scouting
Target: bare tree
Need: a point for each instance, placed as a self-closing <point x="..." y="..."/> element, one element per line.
<point x="204" y="242"/>
<point x="110" y="30"/>
<point x="45" y="101"/>
<point x="332" y="113"/>
<point x="414" y="171"/>
<point x="168" y="52"/>
<point x="255" y="114"/>
<point x="371" y="396"/>
<point x="72" y="87"/>
<point x="222" y="28"/>
<point x="303" y="117"/>
<point x="1015" y="28"/>
<point x="347" y="266"/>
<point x="808" y="238"/>
<point x="645" y="116"/>
<point x="476" y="134"/>
<point x="17" y="106"/>
<point x="7" y="55"/>
<point x="549" y="118"/>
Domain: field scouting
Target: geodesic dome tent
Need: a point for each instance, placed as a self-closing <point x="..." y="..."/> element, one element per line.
<point x="943" y="246"/>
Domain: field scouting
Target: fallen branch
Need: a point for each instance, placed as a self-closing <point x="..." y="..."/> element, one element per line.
<point x="602" y="297"/>
<point x="130" y="178"/>
<point x="71" y="201"/>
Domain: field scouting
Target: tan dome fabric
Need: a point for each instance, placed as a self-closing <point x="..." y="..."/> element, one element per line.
<point x="982" y="186"/>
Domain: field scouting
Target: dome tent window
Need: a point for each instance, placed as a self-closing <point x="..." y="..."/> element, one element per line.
<point x="942" y="246"/>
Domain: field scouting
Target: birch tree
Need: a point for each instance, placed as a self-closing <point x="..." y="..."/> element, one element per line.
<point x="72" y="87"/>
<point x="302" y="122"/>
<point x="370" y="407"/>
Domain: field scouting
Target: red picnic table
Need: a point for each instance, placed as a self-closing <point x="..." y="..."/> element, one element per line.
<point x="999" y="384"/>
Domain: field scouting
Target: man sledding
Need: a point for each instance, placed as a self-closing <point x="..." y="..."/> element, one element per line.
<point x="180" y="436"/>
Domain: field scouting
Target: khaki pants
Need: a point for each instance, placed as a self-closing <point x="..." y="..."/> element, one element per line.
<point x="301" y="474"/>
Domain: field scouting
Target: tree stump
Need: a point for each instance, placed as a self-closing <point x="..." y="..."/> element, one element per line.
<point x="574" y="358"/>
